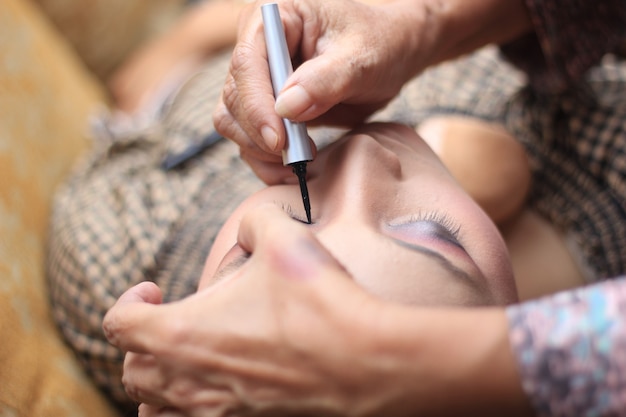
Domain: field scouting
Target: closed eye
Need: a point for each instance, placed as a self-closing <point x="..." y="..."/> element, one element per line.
<point x="433" y="224"/>
<point x="286" y="207"/>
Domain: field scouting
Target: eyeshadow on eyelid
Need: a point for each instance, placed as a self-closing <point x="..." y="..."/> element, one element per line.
<point x="429" y="228"/>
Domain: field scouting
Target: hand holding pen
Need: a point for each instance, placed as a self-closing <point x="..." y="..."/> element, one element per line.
<point x="297" y="151"/>
<point x="324" y="89"/>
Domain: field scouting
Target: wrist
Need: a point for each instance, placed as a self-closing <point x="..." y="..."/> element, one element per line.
<point x="416" y="37"/>
<point x="448" y="362"/>
<point x="441" y="30"/>
<point x="469" y="25"/>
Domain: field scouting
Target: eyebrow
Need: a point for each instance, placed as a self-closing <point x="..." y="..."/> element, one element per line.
<point x="439" y="258"/>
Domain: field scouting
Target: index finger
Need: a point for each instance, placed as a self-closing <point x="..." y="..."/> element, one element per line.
<point x="247" y="92"/>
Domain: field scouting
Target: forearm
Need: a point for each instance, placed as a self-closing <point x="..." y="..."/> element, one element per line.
<point x="469" y="25"/>
<point x="449" y="363"/>
<point x="428" y="32"/>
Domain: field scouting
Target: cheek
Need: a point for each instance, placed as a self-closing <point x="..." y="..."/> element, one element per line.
<point x="388" y="272"/>
<point x="418" y="284"/>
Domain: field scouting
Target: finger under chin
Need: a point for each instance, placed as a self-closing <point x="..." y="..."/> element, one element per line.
<point x="143" y="379"/>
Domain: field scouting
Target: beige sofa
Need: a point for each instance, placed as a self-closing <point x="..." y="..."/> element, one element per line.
<point x="50" y="83"/>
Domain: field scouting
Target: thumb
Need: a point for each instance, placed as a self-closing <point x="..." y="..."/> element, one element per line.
<point x="132" y="311"/>
<point x="146" y="292"/>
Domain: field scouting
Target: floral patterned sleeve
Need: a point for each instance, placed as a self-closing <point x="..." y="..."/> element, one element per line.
<point x="571" y="350"/>
<point x="569" y="37"/>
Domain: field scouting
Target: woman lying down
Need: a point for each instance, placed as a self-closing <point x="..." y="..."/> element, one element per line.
<point x="386" y="208"/>
<point x="383" y="206"/>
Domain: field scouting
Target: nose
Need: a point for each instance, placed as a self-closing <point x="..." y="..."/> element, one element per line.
<point x="358" y="179"/>
<point x="357" y="184"/>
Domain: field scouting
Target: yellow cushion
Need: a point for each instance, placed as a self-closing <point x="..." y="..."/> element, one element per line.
<point x="45" y="98"/>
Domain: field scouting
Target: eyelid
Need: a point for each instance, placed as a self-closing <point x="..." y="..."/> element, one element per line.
<point x="449" y="225"/>
<point x="286" y="207"/>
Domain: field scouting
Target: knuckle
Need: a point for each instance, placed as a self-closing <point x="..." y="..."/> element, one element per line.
<point x="131" y="389"/>
<point x="229" y="92"/>
<point x="108" y="327"/>
<point x="180" y="391"/>
<point x="240" y="57"/>
<point x="177" y="332"/>
<point x="114" y="327"/>
<point x="222" y="120"/>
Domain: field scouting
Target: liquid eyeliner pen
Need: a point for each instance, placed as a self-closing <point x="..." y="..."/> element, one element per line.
<point x="297" y="151"/>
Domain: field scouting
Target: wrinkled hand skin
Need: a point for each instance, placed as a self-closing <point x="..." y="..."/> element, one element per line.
<point x="355" y="58"/>
<point x="280" y="334"/>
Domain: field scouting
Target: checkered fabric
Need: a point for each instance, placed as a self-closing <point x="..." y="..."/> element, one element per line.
<point x="577" y="146"/>
<point x="120" y="219"/>
<point x="576" y="141"/>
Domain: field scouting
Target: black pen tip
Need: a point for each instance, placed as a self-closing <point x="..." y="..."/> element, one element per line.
<point x="299" y="168"/>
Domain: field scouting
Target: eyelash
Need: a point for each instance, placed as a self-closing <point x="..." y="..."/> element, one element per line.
<point x="440" y="218"/>
<point x="291" y="213"/>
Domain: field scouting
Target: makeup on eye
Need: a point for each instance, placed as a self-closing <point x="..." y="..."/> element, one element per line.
<point x="429" y="224"/>
<point x="436" y="235"/>
<point x="286" y="207"/>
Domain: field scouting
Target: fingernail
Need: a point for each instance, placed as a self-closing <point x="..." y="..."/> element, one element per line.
<point x="292" y="102"/>
<point x="270" y="137"/>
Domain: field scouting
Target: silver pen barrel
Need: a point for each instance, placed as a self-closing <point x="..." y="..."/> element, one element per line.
<point x="298" y="147"/>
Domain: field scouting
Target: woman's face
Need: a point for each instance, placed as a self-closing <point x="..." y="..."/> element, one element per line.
<point x="386" y="208"/>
